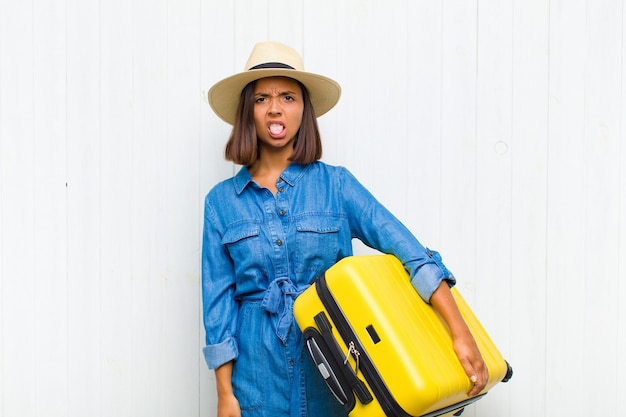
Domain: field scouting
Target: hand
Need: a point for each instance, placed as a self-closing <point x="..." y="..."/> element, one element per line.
<point x="228" y="406"/>
<point x="472" y="362"/>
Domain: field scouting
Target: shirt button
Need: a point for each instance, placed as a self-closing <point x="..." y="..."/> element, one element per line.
<point x="279" y="242"/>
<point x="281" y="190"/>
<point x="282" y="212"/>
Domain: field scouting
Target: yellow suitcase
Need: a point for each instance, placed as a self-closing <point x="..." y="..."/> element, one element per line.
<point x="381" y="349"/>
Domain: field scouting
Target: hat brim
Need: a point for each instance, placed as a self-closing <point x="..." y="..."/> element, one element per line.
<point x="224" y="95"/>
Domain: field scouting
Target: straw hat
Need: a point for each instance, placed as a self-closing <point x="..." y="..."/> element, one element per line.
<point x="271" y="59"/>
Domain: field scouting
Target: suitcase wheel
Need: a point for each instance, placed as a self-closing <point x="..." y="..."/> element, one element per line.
<point x="509" y="373"/>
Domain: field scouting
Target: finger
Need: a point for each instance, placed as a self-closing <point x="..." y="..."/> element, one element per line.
<point x="474" y="391"/>
<point x="471" y="373"/>
<point x="479" y="380"/>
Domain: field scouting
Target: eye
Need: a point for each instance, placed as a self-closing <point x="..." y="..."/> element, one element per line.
<point x="260" y="99"/>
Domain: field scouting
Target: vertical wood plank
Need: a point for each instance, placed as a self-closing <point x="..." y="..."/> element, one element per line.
<point x="601" y="198"/>
<point x="371" y="109"/>
<point x="566" y="209"/>
<point x="493" y="179"/>
<point x="458" y="142"/>
<point x="423" y="121"/>
<point x="2" y="175"/>
<point x="50" y="208"/>
<point x="216" y="62"/>
<point x="320" y="53"/>
<point x="621" y="272"/>
<point x="17" y="95"/>
<point x="84" y="209"/>
<point x="3" y="132"/>
<point x="385" y="52"/>
<point x="355" y="69"/>
<point x="285" y="22"/>
<point x="251" y="26"/>
<point x="181" y="307"/>
<point x="371" y="118"/>
<point x="529" y="157"/>
<point x="148" y="208"/>
<point x="116" y="128"/>
<point x="4" y="52"/>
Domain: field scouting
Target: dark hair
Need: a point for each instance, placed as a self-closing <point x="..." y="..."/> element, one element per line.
<point x="242" y="146"/>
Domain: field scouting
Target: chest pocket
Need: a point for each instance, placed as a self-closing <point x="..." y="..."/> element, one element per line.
<point x="243" y="241"/>
<point x="317" y="243"/>
<point x="240" y="232"/>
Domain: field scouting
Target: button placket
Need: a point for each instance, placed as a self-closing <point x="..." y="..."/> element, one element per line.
<point x="281" y="200"/>
<point x="276" y="217"/>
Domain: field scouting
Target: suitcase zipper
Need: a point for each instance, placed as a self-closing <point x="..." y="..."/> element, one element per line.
<point x="355" y="353"/>
<point x="357" y="386"/>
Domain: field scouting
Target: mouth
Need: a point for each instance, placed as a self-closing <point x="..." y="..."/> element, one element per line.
<point x="277" y="130"/>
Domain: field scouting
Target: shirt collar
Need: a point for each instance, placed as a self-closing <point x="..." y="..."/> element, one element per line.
<point x="242" y="179"/>
<point x="291" y="175"/>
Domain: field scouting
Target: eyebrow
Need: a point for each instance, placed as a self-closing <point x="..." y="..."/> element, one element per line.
<point x="284" y="93"/>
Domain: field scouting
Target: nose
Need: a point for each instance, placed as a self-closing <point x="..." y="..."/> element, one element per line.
<point x="274" y="108"/>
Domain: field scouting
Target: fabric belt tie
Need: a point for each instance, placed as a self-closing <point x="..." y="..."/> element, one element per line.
<point x="278" y="301"/>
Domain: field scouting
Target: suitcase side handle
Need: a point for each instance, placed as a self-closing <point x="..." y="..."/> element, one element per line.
<point x="325" y="368"/>
<point x="328" y="367"/>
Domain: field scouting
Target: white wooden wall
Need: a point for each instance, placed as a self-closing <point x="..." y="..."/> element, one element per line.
<point x="493" y="128"/>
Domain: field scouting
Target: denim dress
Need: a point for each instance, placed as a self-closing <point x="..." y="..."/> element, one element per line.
<point x="261" y="250"/>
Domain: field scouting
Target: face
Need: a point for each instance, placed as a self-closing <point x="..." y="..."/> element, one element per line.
<point x="278" y="108"/>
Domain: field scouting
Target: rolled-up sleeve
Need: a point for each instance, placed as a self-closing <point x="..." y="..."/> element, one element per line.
<point x="378" y="228"/>
<point x="220" y="309"/>
<point x="427" y="278"/>
<point x="218" y="354"/>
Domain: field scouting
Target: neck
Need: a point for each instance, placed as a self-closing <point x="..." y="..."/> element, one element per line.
<point x="267" y="169"/>
<point x="271" y="161"/>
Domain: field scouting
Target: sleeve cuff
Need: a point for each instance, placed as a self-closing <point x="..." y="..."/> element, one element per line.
<point x="217" y="355"/>
<point x="428" y="277"/>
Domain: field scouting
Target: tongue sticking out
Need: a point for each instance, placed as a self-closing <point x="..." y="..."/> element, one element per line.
<point x="276" y="129"/>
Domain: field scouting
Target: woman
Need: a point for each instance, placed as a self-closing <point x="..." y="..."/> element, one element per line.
<point x="280" y="222"/>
